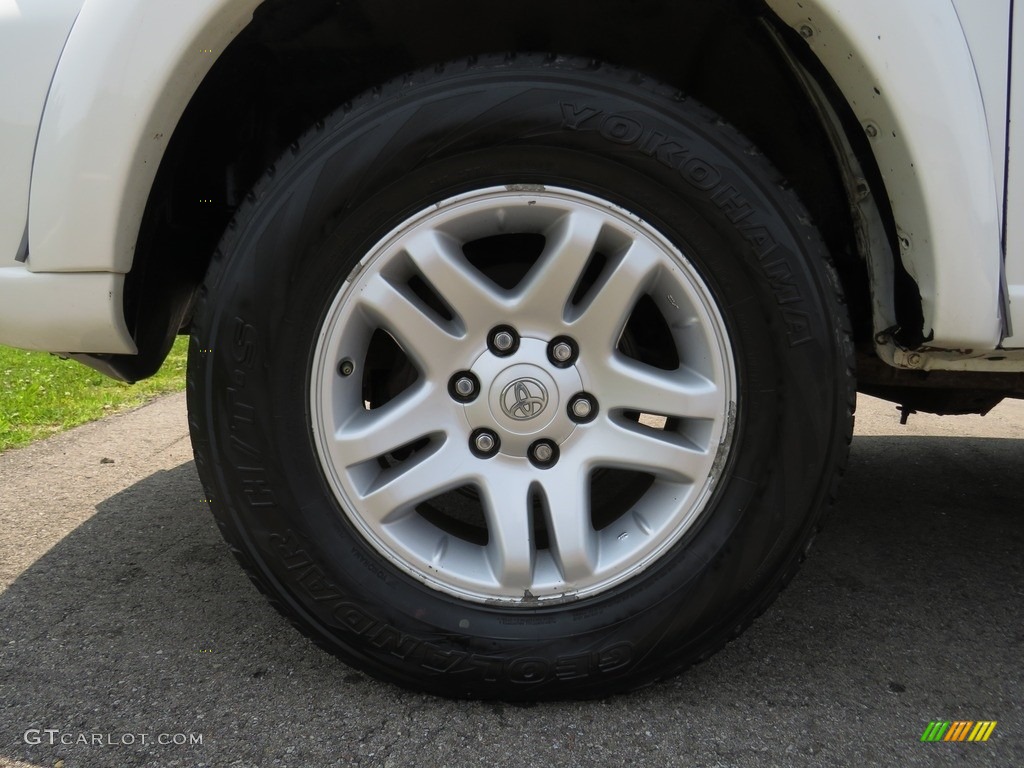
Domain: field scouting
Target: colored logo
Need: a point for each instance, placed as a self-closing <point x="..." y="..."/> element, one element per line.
<point x="523" y="399"/>
<point x="958" y="730"/>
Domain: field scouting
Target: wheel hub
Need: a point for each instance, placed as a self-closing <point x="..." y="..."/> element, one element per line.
<point x="524" y="398"/>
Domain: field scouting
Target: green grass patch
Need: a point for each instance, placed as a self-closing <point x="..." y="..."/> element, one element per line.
<point x="40" y="394"/>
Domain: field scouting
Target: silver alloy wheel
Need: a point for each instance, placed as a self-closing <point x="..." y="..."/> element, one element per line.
<point x="388" y="459"/>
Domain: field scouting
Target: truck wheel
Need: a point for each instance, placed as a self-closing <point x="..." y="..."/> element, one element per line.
<point x="521" y="378"/>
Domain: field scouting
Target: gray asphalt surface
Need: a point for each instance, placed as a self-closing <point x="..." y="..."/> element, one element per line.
<point x="122" y="614"/>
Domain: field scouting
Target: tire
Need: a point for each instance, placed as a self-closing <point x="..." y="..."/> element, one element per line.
<point x="521" y="378"/>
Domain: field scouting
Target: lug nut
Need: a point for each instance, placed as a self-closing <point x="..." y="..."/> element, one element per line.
<point x="484" y="443"/>
<point x="503" y="341"/>
<point x="582" y="408"/>
<point x="543" y="454"/>
<point x="562" y="352"/>
<point x="463" y="386"/>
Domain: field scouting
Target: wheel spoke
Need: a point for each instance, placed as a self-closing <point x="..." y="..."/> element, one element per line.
<point x="417" y="331"/>
<point x="574" y="542"/>
<point x="415" y="413"/>
<point x="600" y="324"/>
<point x="550" y="284"/>
<point x="400" y="488"/>
<point x="472" y="296"/>
<point x="631" y="385"/>
<point x="511" y="546"/>
<point x="630" y="446"/>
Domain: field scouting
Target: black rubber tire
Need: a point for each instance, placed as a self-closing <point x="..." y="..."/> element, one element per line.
<point x="519" y="120"/>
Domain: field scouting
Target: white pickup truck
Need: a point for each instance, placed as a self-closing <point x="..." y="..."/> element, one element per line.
<point x="525" y="337"/>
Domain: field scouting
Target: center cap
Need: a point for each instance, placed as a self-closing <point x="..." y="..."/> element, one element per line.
<point x="524" y="399"/>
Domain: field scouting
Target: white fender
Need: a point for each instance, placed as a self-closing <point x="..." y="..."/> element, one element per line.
<point x="124" y="79"/>
<point x="906" y="70"/>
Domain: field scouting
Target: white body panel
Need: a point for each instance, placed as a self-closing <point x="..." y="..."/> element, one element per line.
<point x="907" y="72"/>
<point x="1015" y="196"/>
<point x="985" y="24"/>
<point x="127" y="73"/>
<point x="923" y="76"/>
<point x="63" y="312"/>
<point x="32" y="34"/>
<point x="40" y="311"/>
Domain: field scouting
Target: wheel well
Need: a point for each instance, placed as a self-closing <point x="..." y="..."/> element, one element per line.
<point x="297" y="61"/>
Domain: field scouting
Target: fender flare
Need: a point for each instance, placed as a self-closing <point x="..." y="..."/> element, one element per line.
<point x="124" y="79"/>
<point x="907" y="73"/>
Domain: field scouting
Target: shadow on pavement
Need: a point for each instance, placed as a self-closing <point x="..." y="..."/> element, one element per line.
<point x="908" y="610"/>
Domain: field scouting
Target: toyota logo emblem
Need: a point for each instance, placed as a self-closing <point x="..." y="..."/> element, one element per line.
<point x="524" y="399"/>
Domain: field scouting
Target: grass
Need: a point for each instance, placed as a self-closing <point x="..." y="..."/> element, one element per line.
<point x="41" y="394"/>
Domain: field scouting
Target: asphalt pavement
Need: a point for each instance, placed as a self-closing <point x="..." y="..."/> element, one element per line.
<point x="130" y="637"/>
